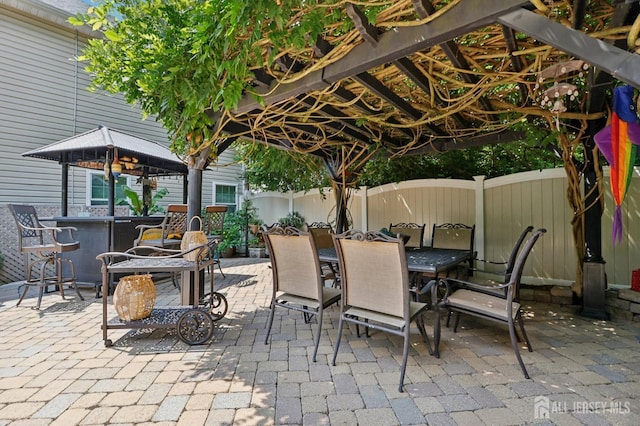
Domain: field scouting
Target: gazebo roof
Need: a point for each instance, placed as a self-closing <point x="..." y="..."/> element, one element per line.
<point x="89" y="150"/>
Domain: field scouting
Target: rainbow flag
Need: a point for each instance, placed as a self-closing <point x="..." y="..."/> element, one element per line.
<point x="618" y="143"/>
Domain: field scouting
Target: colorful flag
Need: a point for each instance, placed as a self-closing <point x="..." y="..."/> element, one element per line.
<point x="618" y="143"/>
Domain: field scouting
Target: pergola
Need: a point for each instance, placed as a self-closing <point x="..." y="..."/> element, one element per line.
<point x="436" y="76"/>
<point x="411" y="77"/>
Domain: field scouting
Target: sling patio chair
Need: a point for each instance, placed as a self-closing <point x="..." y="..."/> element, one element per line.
<point x="298" y="283"/>
<point x="413" y="231"/>
<point x="472" y="299"/>
<point x="168" y="233"/>
<point x="456" y="236"/>
<point x="490" y="279"/>
<point x="213" y="225"/>
<point x="375" y="289"/>
<point x="322" y="236"/>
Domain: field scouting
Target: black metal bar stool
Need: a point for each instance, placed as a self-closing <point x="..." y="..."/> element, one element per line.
<point x="41" y="246"/>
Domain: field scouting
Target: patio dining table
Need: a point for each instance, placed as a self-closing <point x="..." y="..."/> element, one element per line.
<point x="430" y="261"/>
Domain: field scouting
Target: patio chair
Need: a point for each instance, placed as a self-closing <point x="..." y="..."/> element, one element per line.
<point x="213" y="225"/>
<point x="321" y="232"/>
<point x="495" y="278"/>
<point x="414" y="231"/>
<point x="375" y="289"/>
<point x="298" y="283"/>
<point x="41" y="246"/>
<point x="456" y="236"/>
<point x="472" y="299"/>
<point x="168" y="233"/>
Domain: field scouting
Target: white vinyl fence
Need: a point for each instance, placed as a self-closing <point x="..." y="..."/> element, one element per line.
<point x="500" y="208"/>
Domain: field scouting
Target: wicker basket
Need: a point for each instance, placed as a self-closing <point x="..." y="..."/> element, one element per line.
<point x="134" y="297"/>
<point x="192" y="239"/>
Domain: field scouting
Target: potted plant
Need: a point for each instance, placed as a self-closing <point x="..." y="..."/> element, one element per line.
<point x="232" y="232"/>
<point x="256" y="246"/>
<point x="294" y="219"/>
<point x="136" y="203"/>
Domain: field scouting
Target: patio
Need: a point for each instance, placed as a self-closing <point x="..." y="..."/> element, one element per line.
<point x="54" y="368"/>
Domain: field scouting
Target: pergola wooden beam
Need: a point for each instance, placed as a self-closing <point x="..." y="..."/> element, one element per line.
<point x="484" y="140"/>
<point x="619" y="63"/>
<point x="391" y="46"/>
<point x="370" y="34"/>
<point x="424" y="8"/>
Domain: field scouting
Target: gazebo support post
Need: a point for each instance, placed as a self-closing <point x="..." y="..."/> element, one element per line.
<point x="194" y="199"/>
<point x="112" y="186"/>
<point x="185" y="187"/>
<point x="146" y="191"/>
<point x="64" y="208"/>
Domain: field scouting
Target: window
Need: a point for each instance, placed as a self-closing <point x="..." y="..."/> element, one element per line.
<point x="226" y="195"/>
<point x="98" y="192"/>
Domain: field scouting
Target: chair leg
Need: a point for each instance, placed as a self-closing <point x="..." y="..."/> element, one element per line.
<point x="335" y="350"/>
<point x="423" y="332"/>
<point x="40" y="297"/>
<point x="306" y="315"/>
<point x="270" y="322"/>
<point x="24" y="293"/>
<point x="436" y="332"/>
<point x="405" y="355"/>
<point x="220" y="268"/>
<point x="456" y="323"/>
<point x="43" y="281"/>
<point x="74" y="279"/>
<point x="317" y="342"/>
<point x="524" y="333"/>
<point x="514" y="344"/>
<point x="60" y="282"/>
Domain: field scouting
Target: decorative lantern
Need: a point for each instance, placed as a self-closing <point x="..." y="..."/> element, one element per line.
<point x="116" y="168"/>
<point x="134" y="297"/>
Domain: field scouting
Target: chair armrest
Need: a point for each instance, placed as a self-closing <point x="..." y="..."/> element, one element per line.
<point x="500" y="273"/>
<point x="152" y="251"/>
<point x="480" y="288"/>
<point x="143" y="227"/>
<point x="492" y="262"/>
<point x="62" y="228"/>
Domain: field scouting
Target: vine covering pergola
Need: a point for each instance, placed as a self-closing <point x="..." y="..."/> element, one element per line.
<point x="358" y="79"/>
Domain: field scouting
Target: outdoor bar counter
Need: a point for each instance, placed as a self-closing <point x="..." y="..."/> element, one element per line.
<point x="100" y="234"/>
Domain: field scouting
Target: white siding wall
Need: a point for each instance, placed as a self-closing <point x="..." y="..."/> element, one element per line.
<point x="44" y="99"/>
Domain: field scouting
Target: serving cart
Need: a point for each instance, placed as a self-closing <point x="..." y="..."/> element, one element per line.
<point x="194" y="321"/>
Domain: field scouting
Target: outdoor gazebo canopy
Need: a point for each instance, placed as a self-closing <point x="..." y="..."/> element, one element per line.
<point x="89" y="150"/>
<point x="97" y="147"/>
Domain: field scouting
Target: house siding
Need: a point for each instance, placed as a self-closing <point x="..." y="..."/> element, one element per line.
<point x="44" y="99"/>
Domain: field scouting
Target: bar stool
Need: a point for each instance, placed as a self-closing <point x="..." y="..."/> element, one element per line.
<point x="41" y="246"/>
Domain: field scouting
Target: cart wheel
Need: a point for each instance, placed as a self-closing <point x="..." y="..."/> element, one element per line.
<point x="108" y="343"/>
<point x="195" y="327"/>
<point x="216" y="304"/>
